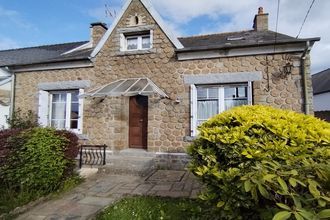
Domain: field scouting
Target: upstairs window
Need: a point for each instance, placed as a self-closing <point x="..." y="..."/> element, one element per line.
<point x="136" y="41"/>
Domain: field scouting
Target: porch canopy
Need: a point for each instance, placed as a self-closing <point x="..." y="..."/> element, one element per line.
<point x="127" y="87"/>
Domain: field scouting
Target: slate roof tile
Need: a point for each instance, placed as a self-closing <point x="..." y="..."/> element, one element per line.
<point x="321" y="82"/>
<point x="41" y="54"/>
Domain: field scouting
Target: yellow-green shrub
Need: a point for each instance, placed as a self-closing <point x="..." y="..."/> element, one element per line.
<point x="260" y="162"/>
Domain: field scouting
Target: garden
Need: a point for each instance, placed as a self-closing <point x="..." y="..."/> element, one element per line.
<point x="256" y="162"/>
<point x="35" y="162"/>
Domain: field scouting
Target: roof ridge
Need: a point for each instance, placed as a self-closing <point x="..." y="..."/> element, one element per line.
<point x="325" y="70"/>
<point x="45" y="45"/>
<point x="220" y="33"/>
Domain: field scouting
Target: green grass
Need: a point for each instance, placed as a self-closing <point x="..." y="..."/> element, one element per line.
<point x="143" y="208"/>
<point x="11" y="198"/>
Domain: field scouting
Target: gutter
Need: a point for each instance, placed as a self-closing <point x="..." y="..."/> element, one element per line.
<point x="246" y="45"/>
<point x="304" y="77"/>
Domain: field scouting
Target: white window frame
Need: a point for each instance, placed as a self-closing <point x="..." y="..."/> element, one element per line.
<point x="124" y="38"/>
<point x="45" y="109"/>
<point x="221" y="98"/>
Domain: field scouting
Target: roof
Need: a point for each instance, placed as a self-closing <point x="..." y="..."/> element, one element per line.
<point x="43" y="54"/>
<point x="127" y="87"/>
<point x="237" y="39"/>
<point x="152" y="12"/>
<point x="321" y="82"/>
<point x="4" y="81"/>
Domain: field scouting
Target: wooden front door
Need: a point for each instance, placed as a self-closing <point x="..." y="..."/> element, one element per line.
<point x="138" y="122"/>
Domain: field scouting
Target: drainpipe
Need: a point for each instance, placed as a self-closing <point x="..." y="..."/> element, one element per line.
<point x="12" y="96"/>
<point x="304" y="78"/>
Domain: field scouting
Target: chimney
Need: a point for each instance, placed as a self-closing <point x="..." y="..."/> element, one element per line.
<point x="98" y="29"/>
<point x="260" y="22"/>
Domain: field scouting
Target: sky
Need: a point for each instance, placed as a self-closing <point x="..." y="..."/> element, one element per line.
<point x="25" y="23"/>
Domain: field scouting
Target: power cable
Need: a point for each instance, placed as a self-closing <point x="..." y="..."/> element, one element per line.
<point x="277" y="17"/>
<point x="310" y="7"/>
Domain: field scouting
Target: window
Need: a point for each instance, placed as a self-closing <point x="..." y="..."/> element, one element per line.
<point x="209" y="100"/>
<point x="61" y="109"/>
<point x="64" y="111"/>
<point x="141" y="41"/>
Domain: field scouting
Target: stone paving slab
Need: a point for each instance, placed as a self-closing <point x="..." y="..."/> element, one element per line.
<point x="167" y="176"/>
<point x="99" y="191"/>
<point x="96" y="201"/>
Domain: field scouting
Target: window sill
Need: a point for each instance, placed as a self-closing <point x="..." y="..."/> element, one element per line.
<point x="136" y="52"/>
<point x="82" y="137"/>
<point x="189" y="138"/>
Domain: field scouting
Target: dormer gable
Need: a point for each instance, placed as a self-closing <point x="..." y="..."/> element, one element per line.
<point x="138" y="33"/>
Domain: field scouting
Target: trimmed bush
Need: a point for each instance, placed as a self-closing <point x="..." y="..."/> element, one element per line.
<point x="4" y="147"/>
<point x="71" y="151"/>
<point x="259" y="162"/>
<point x="23" y="120"/>
<point x="37" y="160"/>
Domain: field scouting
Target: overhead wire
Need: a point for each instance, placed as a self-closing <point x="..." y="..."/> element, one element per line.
<point x="276" y="27"/>
<point x="310" y="7"/>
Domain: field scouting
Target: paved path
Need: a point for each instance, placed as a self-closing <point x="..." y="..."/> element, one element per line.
<point x="99" y="191"/>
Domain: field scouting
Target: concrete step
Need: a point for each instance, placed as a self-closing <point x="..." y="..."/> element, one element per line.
<point x="129" y="165"/>
<point x="135" y="153"/>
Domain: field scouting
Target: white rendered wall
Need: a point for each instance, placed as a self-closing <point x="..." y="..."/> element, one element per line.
<point x="322" y="102"/>
<point x="4" y="110"/>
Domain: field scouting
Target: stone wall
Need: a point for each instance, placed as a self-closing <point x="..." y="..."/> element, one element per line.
<point x="106" y="120"/>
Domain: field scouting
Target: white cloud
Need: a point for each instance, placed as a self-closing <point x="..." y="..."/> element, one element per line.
<point x="103" y="14"/>
<point x="7" y="43"/>
<point x="241" y="14"/>
<point x="185" y="10"/>
<point x="10" y="17"/>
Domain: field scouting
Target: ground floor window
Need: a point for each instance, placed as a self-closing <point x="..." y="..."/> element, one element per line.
<point x="209" y="100"/>
<point x="64" y="111"/>
<point x="61" y="109"/>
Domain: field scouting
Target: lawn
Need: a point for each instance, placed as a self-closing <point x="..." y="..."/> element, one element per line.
<point x="156" y="208"/>
<point x="11" y="199"/>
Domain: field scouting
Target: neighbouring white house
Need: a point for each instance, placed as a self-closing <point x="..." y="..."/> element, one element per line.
<point x="5" y="96"/>
<point x="321" y="93"/>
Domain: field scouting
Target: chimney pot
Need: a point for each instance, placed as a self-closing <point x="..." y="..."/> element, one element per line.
<point x="260" y="22"/>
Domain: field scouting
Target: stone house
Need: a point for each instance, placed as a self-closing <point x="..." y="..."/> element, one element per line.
<point x="136" y="85"/>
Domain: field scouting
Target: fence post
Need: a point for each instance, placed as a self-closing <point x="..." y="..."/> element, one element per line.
<point x="80" y="158"/>
<point x="104" y="146"/>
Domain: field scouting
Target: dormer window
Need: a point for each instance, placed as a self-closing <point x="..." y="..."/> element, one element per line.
<point x="136" y="41"/>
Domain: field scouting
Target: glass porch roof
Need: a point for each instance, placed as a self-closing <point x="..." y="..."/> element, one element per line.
<point x="127" y="87"/>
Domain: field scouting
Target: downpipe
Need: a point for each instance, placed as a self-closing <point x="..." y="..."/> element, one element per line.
<point x="304" y="78"/>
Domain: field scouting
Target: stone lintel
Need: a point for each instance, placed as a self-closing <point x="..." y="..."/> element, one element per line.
<point x="233" y="77"/>
<point x="136" y="29"/>
<point x="61" y="85"/>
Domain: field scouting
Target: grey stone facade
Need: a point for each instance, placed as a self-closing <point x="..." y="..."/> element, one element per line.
<point x="106" y="121"/>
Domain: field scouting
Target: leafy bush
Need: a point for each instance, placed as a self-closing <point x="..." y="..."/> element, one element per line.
<point x="23" y="120"/>
<point x="259" y="162"/>
<point x="37" y="160"/>
<point x="71" y="151"/>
